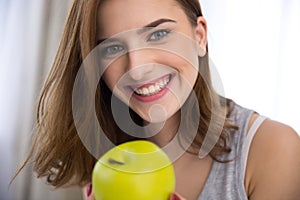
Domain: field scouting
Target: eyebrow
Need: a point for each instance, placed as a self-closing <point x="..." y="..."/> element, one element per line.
<point x="155" y="24"/>
<point x="148" y="27"/>
<point x="106" y="40"/>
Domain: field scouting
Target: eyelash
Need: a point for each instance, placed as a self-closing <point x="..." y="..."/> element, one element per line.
<point x="164" y="31"/>
<point x="153" y="37"/>
<point x="106" y="50"/>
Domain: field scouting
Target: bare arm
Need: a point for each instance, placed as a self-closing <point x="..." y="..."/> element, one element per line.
<point x="273" y="168"/>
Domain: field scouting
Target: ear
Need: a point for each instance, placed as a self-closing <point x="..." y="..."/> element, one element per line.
<point x="201" y="36"/>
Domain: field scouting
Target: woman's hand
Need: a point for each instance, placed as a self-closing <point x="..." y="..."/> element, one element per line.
<point x="176" y="196"/>
<point x="87" y="193"/>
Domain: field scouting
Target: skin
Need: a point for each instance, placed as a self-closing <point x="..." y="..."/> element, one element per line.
<point x="273" y="167"/>
<point x="141" y="67"/>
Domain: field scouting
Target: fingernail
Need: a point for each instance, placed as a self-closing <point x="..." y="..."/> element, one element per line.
<point x="174" y="197"/>
<point x="89" y="190"/>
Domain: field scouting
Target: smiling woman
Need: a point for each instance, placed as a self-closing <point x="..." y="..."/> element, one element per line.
<point x="154" y="61"/>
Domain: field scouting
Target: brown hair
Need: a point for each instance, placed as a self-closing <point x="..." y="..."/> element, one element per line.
<point x="57" y="151"/>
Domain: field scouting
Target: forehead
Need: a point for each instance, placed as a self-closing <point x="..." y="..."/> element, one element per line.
<point x="115" y="16"/>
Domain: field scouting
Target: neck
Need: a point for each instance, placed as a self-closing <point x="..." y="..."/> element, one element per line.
<point x="167" y="132"/>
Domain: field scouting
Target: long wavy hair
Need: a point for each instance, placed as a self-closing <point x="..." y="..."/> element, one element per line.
<point x="57" y="151"/>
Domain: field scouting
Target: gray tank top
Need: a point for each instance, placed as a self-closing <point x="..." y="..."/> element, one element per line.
<point x="226" y="180"/>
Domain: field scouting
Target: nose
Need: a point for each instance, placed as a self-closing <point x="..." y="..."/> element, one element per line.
<point x="139" y="64"/>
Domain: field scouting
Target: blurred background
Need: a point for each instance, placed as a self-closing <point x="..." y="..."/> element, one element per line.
<point x="254" y="45"/>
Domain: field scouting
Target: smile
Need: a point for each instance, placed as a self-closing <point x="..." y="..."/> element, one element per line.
<point x="152" y="91"/>
<point x="153" y="88"/>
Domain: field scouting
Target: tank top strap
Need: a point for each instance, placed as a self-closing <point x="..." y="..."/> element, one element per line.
<point x="248" y="140"/>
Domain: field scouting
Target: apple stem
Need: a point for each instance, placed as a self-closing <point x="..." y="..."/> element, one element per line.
<point x="113" y="161"/>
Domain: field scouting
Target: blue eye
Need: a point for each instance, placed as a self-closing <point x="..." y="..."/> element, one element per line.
<point x="158" y="35"/>
<point x="112" y="50"/>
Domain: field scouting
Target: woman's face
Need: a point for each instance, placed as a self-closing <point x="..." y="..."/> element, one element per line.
<point x="150" y="54"/>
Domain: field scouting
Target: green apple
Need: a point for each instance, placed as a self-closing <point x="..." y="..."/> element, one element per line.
<point x="136" y="170"/>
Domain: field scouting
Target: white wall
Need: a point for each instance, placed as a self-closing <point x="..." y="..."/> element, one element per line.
<point x="255" y="47"/>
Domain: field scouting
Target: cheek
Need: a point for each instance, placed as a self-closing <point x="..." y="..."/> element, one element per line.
<point x="191" y="74"/>
<point x="113" y="73"/>
<point x="185" y="69"/>
<point x="108" y="79"/>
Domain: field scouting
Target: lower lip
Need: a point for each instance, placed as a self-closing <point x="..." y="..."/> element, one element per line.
<point x="153" y="97"/>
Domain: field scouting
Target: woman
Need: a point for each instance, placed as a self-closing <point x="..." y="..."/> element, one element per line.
<point x="153" y="57"/>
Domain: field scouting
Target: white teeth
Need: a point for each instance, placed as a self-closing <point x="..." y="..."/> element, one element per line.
<point x="151" y="89"/>
<point x="154" y="88"/>
<point x="161" y="84"/>
<point x="145" y="91"/>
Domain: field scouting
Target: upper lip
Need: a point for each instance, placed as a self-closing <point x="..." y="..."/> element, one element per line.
<point x="136" y="86"/>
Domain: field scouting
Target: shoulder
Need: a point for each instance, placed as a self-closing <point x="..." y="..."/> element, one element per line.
<point x="273" y="167"/>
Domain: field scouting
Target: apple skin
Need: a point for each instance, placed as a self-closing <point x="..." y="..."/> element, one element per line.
<point x="136" y="170"/>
